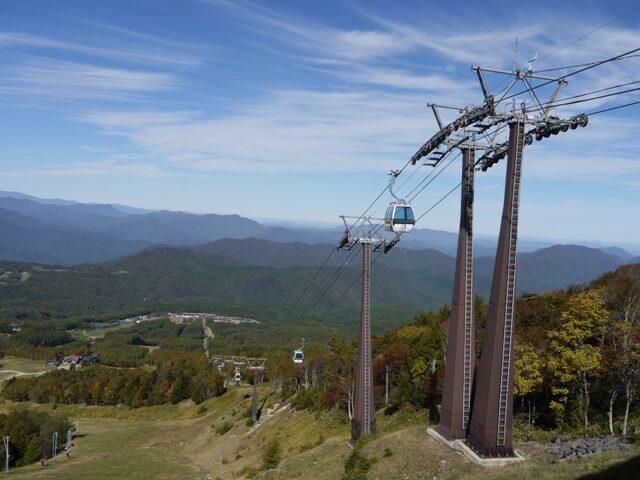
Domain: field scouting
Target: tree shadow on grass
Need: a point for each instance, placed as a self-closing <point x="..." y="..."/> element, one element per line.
<point x="628" y="470"/>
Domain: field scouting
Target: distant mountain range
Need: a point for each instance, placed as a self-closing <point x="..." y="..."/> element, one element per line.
<point x="63" y="232"/>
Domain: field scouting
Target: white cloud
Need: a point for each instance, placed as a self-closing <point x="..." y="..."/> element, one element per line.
<point x="293" y="130"/>
<point x="145" y="48"/>
<point x="55" y="79"/>
<point x="312" y="37"/>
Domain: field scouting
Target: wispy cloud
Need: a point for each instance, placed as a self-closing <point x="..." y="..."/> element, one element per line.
<point x="55" y="79"/>
<point x="145" y="48"/>
<point x="310" y="36"/>
<point x="285" y="131"/>
<point x="100" y="168"/>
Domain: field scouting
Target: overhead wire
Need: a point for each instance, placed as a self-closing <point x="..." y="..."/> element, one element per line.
<point x="584" y="100"/>
<point x="620" y="85"/>
<point x="575" y="72"/>
<point x="582" y="37"/>
<point x="442" y="169"/>
<point x="610" y="109"/>
<point x="566" y="67"/>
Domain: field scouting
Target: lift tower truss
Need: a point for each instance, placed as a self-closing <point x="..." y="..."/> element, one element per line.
<point x="367" y="235"/>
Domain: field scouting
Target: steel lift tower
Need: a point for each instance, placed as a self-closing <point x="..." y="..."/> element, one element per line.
<point x="492" y="411"/>
<point x="486" y="419"/>
<point x="460" y="360"/>
<point x="256" y="365"/>
<point x="363" y="420"/>
<point x="490" y="429"/>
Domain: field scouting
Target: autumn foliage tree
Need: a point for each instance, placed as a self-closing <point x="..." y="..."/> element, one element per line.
<point x="575" y="356"/>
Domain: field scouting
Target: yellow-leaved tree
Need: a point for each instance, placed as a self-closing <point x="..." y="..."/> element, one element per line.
<point x="527" y="374"/>
<point x="575" y="356"/>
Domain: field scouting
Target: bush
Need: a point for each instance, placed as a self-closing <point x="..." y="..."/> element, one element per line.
<point x="312" y="399"/>
<point x="224" y="428"/>
<point x="271" y="454"/>
<point x="356" y="466"/>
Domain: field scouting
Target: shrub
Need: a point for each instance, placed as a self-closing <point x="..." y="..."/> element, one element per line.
<point x="224" y="428"/>
<point x="356" y="466"/>
<point x="271" y="454"/>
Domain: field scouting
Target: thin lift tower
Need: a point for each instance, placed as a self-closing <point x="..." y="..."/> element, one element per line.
<point x="54" y="444"/>
<point x="363" y="420"/>
<point x="256" y="365"/>
<point x="5" y="440"/>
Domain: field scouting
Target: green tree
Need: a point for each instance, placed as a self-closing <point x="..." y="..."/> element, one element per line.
<point x="181" y="389"/>
<point x="575" y="356"/>
<point x="622" y="352"/>
<point x="33" y="453"/>
<point x="527" y="373"/>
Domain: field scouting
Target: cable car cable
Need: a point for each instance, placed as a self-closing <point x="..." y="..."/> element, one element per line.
<point x="582" y="37"/>
<point x="617" y="107"/>
<point x="436" y="176"/>
<point x="578" y="65"/>
<point x="590" y="99"/>
<point x="591" y="93"/>
<point x="575" y="72"/>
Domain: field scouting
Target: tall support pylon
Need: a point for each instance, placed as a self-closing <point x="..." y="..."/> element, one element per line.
<point x="491" y="420"/>
<point x="459" y="367"/>
<point x="256" y="365"/>
<point x="363" y="420"/>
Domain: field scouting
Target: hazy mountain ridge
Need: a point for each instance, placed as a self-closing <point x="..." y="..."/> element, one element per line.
<point x="28" y="239"/>
<point x="556" y="267"/>
<point x="116" y="231"/>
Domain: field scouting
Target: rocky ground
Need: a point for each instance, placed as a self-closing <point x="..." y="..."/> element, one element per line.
<point x="583" y="447"/>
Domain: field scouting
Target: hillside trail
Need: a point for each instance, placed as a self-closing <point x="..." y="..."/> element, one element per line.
<point x="24" y="374"/>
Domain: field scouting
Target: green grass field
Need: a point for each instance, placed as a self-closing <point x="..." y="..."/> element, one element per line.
<point x="212" y="441"/>
<point x="9" y="365"/>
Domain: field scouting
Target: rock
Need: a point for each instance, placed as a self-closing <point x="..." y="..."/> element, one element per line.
<point x="582" y="448"/>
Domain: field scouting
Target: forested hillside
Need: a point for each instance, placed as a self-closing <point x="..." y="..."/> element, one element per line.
<point x="577" y="362"/>
<point x="260" y="278"/>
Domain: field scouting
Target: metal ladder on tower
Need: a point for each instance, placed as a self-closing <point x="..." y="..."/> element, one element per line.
<point x="366" y="428"/>
<point x="507" y="339"/>
<point x="468" y="302"/>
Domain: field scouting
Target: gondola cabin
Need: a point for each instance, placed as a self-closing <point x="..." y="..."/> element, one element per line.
<point x="399" y="218"/>
<point x="298" y="356"/>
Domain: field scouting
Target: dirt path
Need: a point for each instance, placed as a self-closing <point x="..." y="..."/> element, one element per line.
<point x="16" y="373"/>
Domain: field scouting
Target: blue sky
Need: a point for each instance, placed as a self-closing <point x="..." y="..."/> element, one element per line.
<point x="296" y="111"/>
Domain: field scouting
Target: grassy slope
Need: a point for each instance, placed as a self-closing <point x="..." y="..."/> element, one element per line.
<point x="176" y="442"/>
<point x="9" y="365"/>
